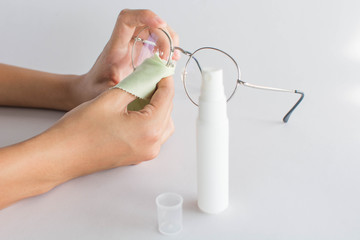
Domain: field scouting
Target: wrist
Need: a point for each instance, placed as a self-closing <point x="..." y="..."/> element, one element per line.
<point x="84" y="88"/>
<point x="73" y="92"/>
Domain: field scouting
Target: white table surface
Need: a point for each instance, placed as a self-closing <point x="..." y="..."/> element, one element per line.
<point x="287" y="181"/>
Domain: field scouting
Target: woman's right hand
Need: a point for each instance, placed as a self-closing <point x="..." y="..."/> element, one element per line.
<point x="102" y="133"/>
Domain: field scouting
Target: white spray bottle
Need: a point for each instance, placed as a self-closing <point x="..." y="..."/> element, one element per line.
<point x="212" y="144"/>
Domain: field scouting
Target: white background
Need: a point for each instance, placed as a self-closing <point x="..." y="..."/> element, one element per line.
<point x="287" y="181"/>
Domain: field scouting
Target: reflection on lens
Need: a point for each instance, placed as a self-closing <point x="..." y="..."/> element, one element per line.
<point x="148" y="42"/>
<point x="209" y="58"/>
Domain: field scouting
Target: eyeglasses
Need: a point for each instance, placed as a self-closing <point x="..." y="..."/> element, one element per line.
<point x="149" y="42"/>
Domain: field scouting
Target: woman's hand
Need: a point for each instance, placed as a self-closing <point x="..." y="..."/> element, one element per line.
<point x="114" y="63"/>
<point x="97" y="135"/>
<point x="107" y="135"/>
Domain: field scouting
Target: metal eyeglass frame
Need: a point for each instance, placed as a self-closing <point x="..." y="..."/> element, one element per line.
<point x="238" y="80"/>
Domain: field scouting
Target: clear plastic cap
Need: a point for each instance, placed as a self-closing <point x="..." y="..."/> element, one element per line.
<point x="169" y="209"/>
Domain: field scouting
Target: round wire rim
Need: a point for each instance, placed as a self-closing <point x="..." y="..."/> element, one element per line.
<point x="137" y="39"/>
<point x="192" y="56"/>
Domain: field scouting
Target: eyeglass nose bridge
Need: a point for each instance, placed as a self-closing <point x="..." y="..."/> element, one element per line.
<point x="187" y="53"/>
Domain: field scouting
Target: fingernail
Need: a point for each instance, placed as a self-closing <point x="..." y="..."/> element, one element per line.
<point x="159" y="21"/>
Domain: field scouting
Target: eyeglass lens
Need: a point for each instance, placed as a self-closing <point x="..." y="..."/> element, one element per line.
<point x="209" y="58"/>
<point x="148" y="42"/>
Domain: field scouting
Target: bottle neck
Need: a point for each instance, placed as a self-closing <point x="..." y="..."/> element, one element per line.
<point x="212" y="101"/>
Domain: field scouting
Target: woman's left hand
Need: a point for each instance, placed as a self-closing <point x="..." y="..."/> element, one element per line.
<point x="114" y="63"/>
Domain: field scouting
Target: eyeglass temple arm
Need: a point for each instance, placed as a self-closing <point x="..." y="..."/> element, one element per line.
<point x="287" y="116"/>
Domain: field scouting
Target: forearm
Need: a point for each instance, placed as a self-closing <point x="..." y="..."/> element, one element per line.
<point x="26" y="171"/>
<point x="39" y="164"/>
<point x="30" y="88"/>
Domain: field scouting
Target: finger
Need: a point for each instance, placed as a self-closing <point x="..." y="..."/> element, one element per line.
<point x="173" y="35"/>
<point x="175" y="39"/>
<point x="127" y="22"/>
<point x="161" y="101"/>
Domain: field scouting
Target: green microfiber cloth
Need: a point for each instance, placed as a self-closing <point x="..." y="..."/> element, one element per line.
<point x="142" y="82"/>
